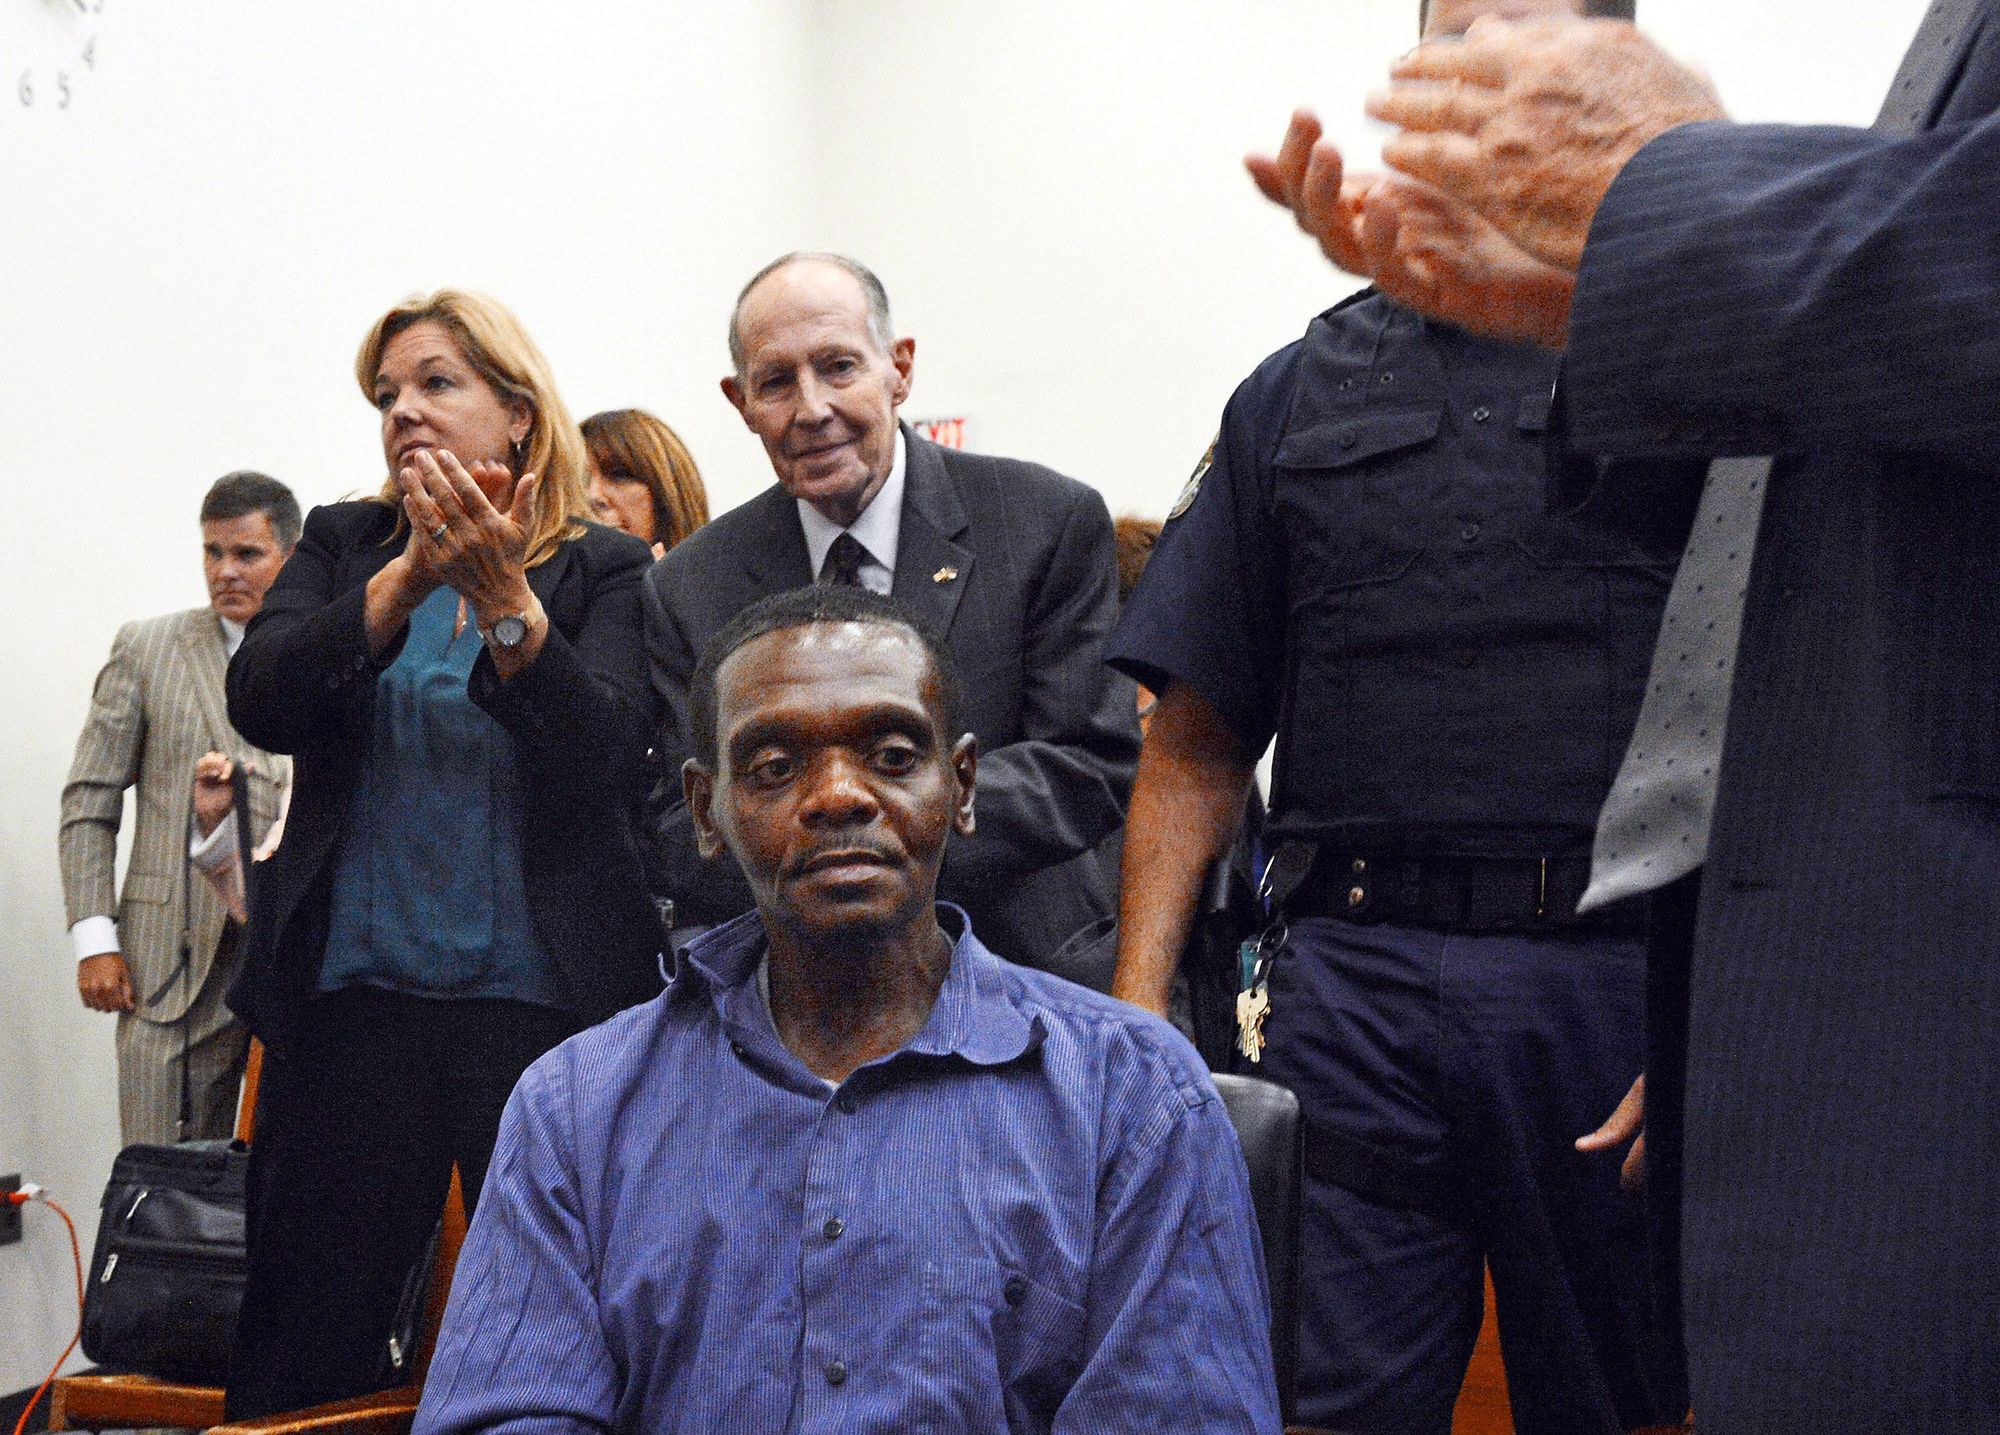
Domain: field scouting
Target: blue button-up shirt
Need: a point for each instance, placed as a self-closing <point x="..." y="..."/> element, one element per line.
<point x="1034" y="1216"/>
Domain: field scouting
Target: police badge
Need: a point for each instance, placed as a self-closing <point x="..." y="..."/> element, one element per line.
<point x="1193" y="485"/>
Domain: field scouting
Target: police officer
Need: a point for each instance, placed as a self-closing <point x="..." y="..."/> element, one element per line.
<point x="1363" y="568"/>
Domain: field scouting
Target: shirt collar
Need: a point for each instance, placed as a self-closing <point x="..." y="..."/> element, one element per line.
<point x="977" y="1017"/>
<point x="232" y="634"/>
<point x="878" y="527"/>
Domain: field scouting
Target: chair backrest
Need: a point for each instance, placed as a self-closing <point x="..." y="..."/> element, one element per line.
<point x="246" y="1103"/>
<point x="451" y="1237"/>
<point x="1266" y="1117"/>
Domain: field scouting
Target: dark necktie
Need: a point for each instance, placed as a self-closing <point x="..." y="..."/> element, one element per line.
<point x="1655" y="823"/>
<point x="843" y="561"/>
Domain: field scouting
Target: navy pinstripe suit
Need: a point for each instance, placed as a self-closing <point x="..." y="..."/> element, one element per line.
<point x="1832" y="296"/>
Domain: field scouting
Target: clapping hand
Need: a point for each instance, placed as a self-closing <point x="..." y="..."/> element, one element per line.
<point x="1414" y="242"/>
<point x="1527" y="123"/>
<point x="470" y="527"/>
<point x="1504" y="157"/>
<point x="1308" y="176"/>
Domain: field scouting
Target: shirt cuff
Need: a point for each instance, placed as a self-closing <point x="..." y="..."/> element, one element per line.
<point x="93" y="936"/>
<point x="212" y="853"/>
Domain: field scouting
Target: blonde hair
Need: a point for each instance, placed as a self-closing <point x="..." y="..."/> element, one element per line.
<point x="498" y="349"/>
<point x="638" y="445"/>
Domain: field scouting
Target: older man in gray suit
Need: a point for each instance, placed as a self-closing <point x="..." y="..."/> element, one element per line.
<point x="162" y="953"/>
<point x="1010" y="563"/>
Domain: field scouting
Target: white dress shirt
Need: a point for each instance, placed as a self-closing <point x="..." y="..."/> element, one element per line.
<point x="876" y="530"/>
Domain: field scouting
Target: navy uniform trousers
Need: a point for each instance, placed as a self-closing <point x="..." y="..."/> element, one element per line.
<point x="1446" y="1077"/>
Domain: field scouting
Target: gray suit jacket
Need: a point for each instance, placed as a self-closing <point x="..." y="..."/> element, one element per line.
<point x="1013" y="565"/>
<point x="157" y="707"/>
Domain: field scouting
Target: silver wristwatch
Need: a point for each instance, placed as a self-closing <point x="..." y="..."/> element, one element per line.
<point x="507" y="632"/>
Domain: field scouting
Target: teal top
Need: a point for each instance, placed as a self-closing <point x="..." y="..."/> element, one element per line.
<point x="428" y="896"/>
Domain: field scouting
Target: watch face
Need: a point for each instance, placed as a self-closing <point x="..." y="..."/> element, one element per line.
<point x="510" y="632"/>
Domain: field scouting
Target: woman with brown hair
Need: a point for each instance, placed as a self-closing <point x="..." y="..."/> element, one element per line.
<point x="643" y="480"/>
<point x="458" y="667"/>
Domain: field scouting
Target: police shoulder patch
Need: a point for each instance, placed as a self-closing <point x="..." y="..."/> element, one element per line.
<point x="1193" y="485"/>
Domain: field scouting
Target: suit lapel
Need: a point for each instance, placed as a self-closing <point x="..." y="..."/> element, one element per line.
<point x="932" y="567"/>
<point x="201" y="638"/>
<point x="546" y="577"/>
<point x="774" y="553"/>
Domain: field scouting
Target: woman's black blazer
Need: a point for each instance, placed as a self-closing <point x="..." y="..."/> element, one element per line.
<point x="303" y="682"/>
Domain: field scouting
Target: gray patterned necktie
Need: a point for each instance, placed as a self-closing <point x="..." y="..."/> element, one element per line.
<point x="1655" y="821"/>
<point x="1654" y="826"/>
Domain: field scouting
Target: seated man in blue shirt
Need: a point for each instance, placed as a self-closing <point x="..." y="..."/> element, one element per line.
<point x="852" y="1171"/>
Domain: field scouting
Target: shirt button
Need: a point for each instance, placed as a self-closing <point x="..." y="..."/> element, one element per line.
<point x="833" y="1227"/>
<point x="1481" y="414"/>
<point x="1016" y="1290"/>
<point x="1385" y="377"/>
<point x="847" y="1104"/>
<point x="1348" y="438"/>
<point x="836" y="1373"/>
<point x="736" y="1049"/>
<point x="1469" y="532"/>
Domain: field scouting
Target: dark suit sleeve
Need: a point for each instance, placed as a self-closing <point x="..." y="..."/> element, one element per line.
<point x="1762" y="289"/>
<point x="1062" y="788"/>
<point x="582" y="711"/>
<point x="304" y="661"/>
<point x="703" y="891"/>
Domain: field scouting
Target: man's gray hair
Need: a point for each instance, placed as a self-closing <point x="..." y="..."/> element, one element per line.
<point x="879" y="328"/>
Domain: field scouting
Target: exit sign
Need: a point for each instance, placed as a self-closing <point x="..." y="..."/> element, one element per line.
<point x="948" y="432"/>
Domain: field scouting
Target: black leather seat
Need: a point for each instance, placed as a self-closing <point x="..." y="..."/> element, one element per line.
<point x="1266" y="1117"/>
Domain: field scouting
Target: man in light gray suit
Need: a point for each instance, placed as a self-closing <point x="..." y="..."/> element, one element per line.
<point x="162" y="954"/>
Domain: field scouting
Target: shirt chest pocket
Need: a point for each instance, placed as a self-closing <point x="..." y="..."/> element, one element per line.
<point x="1581" y="540"/>
<point x="999" y="1334"/>
<point x="1357" y="493"/>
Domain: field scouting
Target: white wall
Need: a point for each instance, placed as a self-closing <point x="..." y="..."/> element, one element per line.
<point x="192" y="252"/>
<point x="1051" y="191"/>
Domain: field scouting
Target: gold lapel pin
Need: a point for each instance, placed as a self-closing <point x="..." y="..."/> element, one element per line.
<point x="944" y="575"/>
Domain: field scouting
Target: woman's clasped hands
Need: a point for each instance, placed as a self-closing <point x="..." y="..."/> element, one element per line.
<point x="469" y="528"/>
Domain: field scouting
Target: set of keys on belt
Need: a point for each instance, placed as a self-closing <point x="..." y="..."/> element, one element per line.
<point x="1253" y="996"/>
<point x="1283" y="873"/>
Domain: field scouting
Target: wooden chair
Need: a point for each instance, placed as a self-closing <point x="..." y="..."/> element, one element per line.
<point x="1482" y="1407"/>
<point x="117" y="1402"/>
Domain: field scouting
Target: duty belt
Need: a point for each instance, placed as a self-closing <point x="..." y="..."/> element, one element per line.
<point x="1458" y="894"/>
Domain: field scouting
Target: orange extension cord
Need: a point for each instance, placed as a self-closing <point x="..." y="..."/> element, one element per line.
<point x="21" y="1198"/>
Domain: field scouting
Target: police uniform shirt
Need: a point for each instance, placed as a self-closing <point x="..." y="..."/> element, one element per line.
<point x="1364" y="569"/>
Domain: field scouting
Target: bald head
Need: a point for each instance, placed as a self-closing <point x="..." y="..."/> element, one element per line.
<point x="874" y="298"/>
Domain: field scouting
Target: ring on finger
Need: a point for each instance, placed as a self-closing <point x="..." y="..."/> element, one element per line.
<point x="438" y="533"/>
